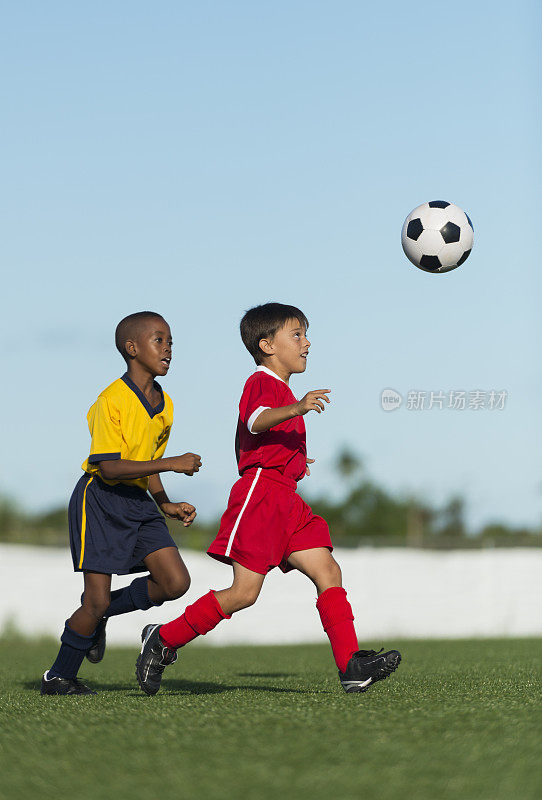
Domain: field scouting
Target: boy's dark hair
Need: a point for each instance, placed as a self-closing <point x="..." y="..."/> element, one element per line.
<point x="129" y="328"/>
<point x="262" y="322"/>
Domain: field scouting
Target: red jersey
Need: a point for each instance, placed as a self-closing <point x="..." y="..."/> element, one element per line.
<point x="283" y="447"/>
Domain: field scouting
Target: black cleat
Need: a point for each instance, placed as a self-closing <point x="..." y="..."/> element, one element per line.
<point x="97" y="651"/>
<point x="153" y="659"/>
<point x="63" y="686"/>
<point x="367" y="667"/>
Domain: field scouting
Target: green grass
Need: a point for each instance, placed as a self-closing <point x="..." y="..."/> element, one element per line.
<point x="457" y="720"/>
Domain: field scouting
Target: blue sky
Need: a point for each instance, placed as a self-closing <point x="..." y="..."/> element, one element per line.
<point x="200" y="158"/>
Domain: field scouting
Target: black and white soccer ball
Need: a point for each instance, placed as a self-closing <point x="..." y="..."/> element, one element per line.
<point x="437" y="236"/>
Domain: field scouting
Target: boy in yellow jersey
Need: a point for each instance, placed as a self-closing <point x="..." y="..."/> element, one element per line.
<point x="115" y="526"/>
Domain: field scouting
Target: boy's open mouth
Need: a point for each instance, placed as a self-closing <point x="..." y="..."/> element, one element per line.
<point x="166" y="361"/>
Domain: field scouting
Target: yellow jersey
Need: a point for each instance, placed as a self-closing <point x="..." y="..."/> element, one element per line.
<point x="123" y="424"/>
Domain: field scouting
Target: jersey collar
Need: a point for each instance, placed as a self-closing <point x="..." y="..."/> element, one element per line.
<point x="269" y="372"/>
<point x="152" y="412"/>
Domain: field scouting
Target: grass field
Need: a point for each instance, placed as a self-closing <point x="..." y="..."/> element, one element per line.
<point x="457" y="720"/>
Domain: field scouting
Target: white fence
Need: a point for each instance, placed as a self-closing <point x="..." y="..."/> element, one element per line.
<point x="394" y="592"/>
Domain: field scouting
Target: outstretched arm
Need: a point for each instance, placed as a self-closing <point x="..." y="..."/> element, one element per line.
<point x="274" y="416"/>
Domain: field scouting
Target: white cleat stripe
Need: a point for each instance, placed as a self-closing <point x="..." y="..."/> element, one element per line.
<point x="362" y="684"/>
<point x="146" y="639"/>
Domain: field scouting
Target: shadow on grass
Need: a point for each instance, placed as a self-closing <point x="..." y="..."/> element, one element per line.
<point x="264" y="674"/>
<point x="188" y="687"/>
<point x="206" y="687"/>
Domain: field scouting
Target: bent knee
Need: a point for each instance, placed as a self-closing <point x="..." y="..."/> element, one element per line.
<point x="176" y="586"/>
<point x="329" y="576"/>
<point x="245" y="598"/>
<point x="96" y="606"/>
<point x="335" y="574"/>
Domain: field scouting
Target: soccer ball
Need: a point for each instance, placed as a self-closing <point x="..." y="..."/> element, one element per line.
<point x="437" y="236"/>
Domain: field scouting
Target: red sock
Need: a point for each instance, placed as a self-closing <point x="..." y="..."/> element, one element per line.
<point x="338" y="622"/>
<point x="197" y="620"/>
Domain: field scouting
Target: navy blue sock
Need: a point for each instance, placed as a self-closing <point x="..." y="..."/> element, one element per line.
<point x="139" y="591"/>
<point x="132" y="597"/>
<point x="121" y="602"/>
<point x="71" y="654"/>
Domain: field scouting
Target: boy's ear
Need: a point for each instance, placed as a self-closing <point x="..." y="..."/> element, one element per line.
<point x="129" y="348"/>
<point x="266" y="346"/>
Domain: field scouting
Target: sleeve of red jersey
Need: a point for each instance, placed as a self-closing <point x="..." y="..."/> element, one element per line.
<point x="259" y="395"/>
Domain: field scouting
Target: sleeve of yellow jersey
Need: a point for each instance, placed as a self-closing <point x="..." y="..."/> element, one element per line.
<point x="104" y="424"/>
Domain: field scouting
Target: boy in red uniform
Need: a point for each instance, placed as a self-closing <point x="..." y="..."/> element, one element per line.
<point x="266" y="523"/>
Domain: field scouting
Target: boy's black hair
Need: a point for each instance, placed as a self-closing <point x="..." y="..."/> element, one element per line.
<point x="262" y="322"/>
<point x="129" y="328"/>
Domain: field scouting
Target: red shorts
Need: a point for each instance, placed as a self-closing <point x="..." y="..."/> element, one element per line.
<point x="265" y="522"/>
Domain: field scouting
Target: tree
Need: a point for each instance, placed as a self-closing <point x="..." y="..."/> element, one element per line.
<point x="452" y="518"/>
<point x="348" y="463"/>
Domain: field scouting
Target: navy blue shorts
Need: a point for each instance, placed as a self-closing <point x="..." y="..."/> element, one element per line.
<point x="113" y="528"/>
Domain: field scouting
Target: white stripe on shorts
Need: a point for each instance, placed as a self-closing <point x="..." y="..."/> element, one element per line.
<point x="238" y="520"/>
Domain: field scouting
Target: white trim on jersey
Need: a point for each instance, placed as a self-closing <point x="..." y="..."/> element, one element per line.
<point x="254" y="416"/>
<point x="238" y="520"/>
<point x="269" y="372"/>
